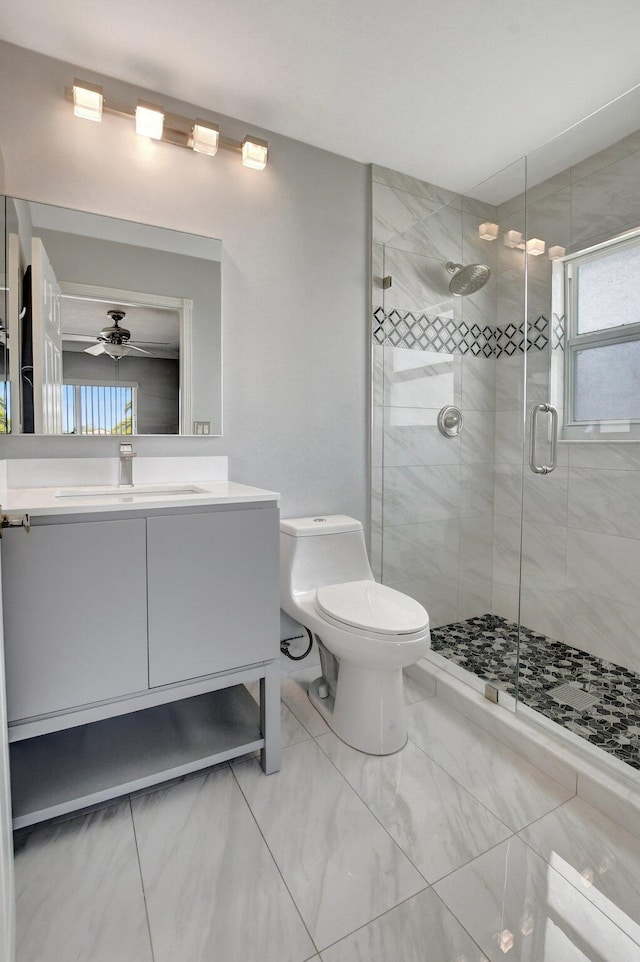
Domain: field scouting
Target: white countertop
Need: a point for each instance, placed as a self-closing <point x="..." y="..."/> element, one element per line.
<point x="46" y="501"/>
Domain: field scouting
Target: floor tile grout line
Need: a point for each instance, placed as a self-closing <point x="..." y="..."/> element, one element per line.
<point x="459" y="783"/>
<point x="144" y="893"/>
<point x="463" y="927"/>
<point x="364" y="925"/>
<point x="464" y="787"/>
<point x="273" y="858"/>
<point x="475" y="858"/>
<point x="383" y="827"/>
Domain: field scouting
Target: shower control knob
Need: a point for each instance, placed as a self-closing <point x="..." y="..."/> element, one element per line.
<point x="450" y="421"/>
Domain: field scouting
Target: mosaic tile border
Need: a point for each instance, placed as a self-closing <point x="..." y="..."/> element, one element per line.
<point x="446" y="335"/>
<point x="487" y="647"/>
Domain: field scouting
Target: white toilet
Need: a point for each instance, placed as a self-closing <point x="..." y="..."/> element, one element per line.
<point x="366" y="632"/>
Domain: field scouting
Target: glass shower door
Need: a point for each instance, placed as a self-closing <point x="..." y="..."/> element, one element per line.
<point x="580" y="599"/>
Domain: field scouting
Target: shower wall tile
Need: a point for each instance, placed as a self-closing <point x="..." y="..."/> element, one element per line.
<point x="545" y="496"/>
<point x="508" y="442"/>
<point x="480" y="208"/>
<point x="474" y="248"/>
<point x="476" y="544"/>
<point x="375" y="554"/>
<point x="480" y="308"/>
<point x="507" y="498"/>
<point x="534" y="194"/>
<point x="411" y="437"/>
<point x="605" y="455"/>
<point x="605" y="202"/>
<point x="544" y="552"/>
<point x="605" y="502"/>
<point x="377" y="374"/>
<point x="420" y="551"/>
<point x="422" y="188"/>
<point x="610" y="155"/>
<point x="437" y="234"/>
<point x="377" y="274"/>
<point x="420" y="493"/>
<point x="504" y="600"/>
<point x="419" y="284"/>
<point x="421" y="379"/>
<point x="477" y="437"/>
<point x="438" y="595"/>
<point x="603" y="564"/>
<point x="476" y="489"/>
<point x="397" y="211"/>
<point x="509" y="383"/>
<point x="478" y="383"/>
<point x="605" y="628"/>
<point x="506" y="551"/>
<point x="542" y="605"/>
<point x="474" y="594"/>
<point x="550" y="219"/>
<point x="510" y="296"/>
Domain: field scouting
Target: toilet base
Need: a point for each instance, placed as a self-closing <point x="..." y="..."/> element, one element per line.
<point x="368" y="712"/>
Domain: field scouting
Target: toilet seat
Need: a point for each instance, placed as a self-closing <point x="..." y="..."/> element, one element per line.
<point x="369" y="606"/>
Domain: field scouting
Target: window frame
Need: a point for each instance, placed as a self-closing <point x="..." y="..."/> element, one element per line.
<point x="574" y="342"/>
<point x="77" y="383"/>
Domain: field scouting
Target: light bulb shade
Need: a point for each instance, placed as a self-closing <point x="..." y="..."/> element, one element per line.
<point x="557" y="252"/>
<point x="205" y="137"/>
<point x="488" y="232"/>
<point x="513" y="238"/>
<point x="116" y="351"/>
<point x="87" y="100"/>
<point x="536" y="247"/>
<point x="255" y="153"/>
<point x="149" y="120"/>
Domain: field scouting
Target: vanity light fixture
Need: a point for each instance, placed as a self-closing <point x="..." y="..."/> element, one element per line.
<point x="205" y="137"/>
<point x="488" y="232"/>
<point x="513" y="238"/>
<point x="201" y="136"/>
<point x="555" y="253"/>
<point x="254" y="153"/>
<point x="87" y="100"/>
<point x="149" y="120"/>
<point x="536" y="247"/>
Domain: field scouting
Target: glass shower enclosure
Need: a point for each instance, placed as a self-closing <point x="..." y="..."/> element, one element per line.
<point x="506" y="424"/>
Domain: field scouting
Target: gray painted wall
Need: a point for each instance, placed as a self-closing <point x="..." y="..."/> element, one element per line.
<point x="295" y="275"/>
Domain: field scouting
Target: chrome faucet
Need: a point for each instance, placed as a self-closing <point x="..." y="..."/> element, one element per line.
<point x="127" y="454"/>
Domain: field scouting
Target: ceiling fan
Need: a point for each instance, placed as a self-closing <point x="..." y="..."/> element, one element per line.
<point x="113" y="339"/>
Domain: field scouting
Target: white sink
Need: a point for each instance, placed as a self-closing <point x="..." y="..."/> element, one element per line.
<point x="141" y="491"/>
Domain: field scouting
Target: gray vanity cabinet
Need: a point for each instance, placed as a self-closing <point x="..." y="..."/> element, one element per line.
<point x="75" y="614"/>
<point x="212" y="591"/>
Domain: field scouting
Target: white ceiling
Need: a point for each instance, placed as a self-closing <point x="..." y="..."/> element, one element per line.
<point x="449" y="92"/>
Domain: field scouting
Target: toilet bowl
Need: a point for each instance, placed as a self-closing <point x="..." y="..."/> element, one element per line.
<point x="366" y="632"/>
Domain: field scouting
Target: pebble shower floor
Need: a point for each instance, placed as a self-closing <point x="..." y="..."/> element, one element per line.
<point x="487" y="647"/>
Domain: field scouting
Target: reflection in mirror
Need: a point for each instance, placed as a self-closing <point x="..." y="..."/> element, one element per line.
<point x="5" y="399"/>
<point x="116" y="326"/>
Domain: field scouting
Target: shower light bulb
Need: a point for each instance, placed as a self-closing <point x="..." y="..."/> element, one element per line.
<point x="149" y="120"/>
<point x="87" y="100"/>
<point x="536" y="247"/>
<point x="205" y="137"/>
<point x="513" y="238"/>
<point x="255" y="153"/>
<point x="555" y="253"/>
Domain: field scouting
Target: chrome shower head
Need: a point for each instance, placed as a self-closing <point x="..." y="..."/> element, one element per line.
<point x="467" y="280"/>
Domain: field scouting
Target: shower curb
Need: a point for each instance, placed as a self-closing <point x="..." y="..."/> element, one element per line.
<point x="562" y="755"/>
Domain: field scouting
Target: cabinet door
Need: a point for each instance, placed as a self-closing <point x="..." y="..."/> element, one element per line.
<point x="74" y="614"/>
<point x="213" y="592"/>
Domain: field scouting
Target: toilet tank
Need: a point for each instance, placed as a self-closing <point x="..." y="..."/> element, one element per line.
<point x="321" y="551"/>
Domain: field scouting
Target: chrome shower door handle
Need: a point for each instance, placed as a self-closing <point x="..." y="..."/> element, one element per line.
<point x="533" y="426"/>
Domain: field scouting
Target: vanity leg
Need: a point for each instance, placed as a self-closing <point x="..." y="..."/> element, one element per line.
<point x="270" y="719"/>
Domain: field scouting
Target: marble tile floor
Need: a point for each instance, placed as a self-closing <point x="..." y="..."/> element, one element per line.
<point x="455" y="849"/>
<point x="487" y="647"/>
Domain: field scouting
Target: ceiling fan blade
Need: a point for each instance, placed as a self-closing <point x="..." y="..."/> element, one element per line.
<point x="154" y="343"/>
<point x="95" y="349"/>
<point x="79" y="337"/>
<point x="140" y="349"/>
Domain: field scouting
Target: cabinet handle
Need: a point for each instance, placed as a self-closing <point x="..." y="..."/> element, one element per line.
<point x="18" y="521"/>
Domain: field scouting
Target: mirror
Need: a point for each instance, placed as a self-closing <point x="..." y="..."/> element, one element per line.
<point x="112" y="327"/>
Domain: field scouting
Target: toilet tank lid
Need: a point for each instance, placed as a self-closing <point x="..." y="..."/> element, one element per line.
<point x="320" y="524"/>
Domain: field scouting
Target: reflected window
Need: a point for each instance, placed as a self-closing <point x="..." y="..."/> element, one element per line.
<point x="602" y="350"/>
<point x="99" y="409"/>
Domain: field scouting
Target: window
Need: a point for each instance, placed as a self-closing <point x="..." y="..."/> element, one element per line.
<point x="99" y="408"/>
<point x="602" y="345"/>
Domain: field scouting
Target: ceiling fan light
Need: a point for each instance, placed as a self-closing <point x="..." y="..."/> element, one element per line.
<point x="116" y="351"/>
